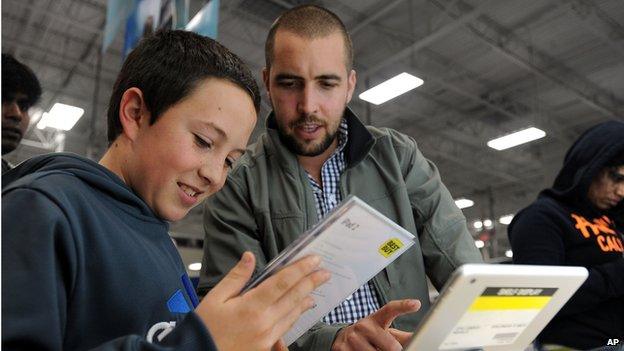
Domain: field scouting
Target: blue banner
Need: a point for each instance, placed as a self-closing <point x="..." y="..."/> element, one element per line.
<point x="141" y="21"/>
<point x="116" y="13"/>
<point x="206" y="22"/>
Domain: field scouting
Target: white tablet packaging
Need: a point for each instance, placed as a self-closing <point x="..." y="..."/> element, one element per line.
<point x="355" y="243"/>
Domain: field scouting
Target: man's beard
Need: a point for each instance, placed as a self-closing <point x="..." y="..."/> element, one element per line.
<point x="302" y="148"/>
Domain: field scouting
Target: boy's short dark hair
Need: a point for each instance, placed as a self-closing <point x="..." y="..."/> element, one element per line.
<point x="310" y="22"/>
<point x="19" y="78"/>
<point x="168" y="65"/>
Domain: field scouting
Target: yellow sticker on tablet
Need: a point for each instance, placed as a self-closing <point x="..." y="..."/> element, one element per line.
<point x="390" y="247"/>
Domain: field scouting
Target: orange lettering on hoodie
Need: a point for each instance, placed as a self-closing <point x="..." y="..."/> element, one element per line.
<point x="582" y="224"/>
<point x="606" y="237"/>
<point x="604" y="225"/>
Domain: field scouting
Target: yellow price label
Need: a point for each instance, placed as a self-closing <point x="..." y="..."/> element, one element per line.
<point x="390" y="247"/>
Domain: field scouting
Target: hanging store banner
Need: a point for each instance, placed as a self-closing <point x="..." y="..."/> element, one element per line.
<point x="141" y="21"/>
<point x="116" y="13"/>
<point x="206" y="22"/>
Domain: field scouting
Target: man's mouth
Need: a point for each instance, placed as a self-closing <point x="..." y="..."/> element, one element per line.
<point x="12" y="133"/>
<point x="309" y="127"/>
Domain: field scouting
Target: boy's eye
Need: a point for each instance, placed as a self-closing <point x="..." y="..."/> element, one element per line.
<point x="201" y="142"/>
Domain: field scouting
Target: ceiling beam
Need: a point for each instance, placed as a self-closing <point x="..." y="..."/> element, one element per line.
<point x="597" y="22"/>
<point x="64" y="35"/>
<point x="432" y="37"/>
<point x="91" y="47"/>
<point x="524" y="55"/>
<point x="59" y="17"/>
<point x="376" y="14"/>
<point x="112" y="74"/>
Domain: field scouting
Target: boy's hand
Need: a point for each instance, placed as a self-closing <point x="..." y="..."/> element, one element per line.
<point x="258" y="319"/>
<point x="374" y="332"/>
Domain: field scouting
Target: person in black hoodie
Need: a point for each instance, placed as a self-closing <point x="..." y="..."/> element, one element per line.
<point x="579" y="222"/>
<point x="87" y="262"/>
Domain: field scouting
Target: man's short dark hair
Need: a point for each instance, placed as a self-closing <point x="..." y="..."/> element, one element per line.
<point x="168" y="65"/>
<point x="310" y="22"/>
<point x="18" y="78"/>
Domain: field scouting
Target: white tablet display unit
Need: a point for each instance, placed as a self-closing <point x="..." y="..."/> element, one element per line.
<point x="495" y="307"/>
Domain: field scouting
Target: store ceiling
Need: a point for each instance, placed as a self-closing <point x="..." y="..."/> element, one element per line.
<point x="490" y="67"/>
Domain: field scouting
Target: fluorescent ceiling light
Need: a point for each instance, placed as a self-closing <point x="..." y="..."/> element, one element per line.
<point x="464" y="203"/>
<point x="479" y="244"/>
<point x="391" y="88"/>
<point x="195" y="266"/>
<point x="61" y="116"/>
<point x="506" y="219"/>
<point x="509" y="253"/>
<point x="517" y="138"/>
<point x="477" y="225"/>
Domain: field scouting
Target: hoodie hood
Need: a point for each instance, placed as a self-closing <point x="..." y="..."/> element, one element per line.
<point x="584" y="160"/>
<point x="95" y="175"/>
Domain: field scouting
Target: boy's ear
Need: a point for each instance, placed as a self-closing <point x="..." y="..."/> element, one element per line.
<point x="133" y="113"/>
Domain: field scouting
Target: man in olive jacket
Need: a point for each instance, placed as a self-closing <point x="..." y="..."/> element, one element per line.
<point x="316" y="152"/>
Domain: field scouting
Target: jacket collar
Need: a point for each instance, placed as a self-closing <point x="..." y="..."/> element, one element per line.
<point x="360" y="141"/>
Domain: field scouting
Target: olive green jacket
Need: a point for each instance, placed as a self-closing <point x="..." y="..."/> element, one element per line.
<point x="267" y="202"/>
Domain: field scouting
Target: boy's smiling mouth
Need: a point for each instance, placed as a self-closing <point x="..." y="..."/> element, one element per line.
<point x="189" y="190"/>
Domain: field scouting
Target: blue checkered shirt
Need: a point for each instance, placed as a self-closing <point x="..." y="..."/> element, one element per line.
<point x="364" y="301"/>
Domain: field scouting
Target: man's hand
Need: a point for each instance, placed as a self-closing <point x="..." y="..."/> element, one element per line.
<point x="374" y="332"/>
<point x="258" y="319"/>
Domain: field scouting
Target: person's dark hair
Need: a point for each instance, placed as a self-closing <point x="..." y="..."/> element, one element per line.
<point x="311" y="22"/>
<point x="18" y="78"/>
<point x="168" y="65"/>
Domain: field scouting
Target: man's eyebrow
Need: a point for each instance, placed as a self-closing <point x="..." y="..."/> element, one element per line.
<point x="329" y="77"/>
<point x="285" y="76"/>
<point x="282" y="76"/>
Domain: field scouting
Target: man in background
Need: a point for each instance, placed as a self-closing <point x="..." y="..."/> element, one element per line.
<point x="578" y="222"/>
<point x="20" y="91"/>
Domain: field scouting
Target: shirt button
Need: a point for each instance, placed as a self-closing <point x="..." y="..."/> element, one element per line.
<point x="349" y="297"/>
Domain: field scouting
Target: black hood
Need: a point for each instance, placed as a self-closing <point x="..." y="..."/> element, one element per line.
<point x="583" y="161"/>
<point x="88" y="171"/>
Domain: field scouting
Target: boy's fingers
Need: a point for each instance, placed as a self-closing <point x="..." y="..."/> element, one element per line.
<point x="295" y="298"/>
<point x="232" y="284"/>
<point x="385" y="315"/>
<point x="285" y="322"/>
<point x="272" y="289"/>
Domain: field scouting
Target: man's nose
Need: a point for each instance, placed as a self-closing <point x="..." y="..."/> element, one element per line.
<point x="12" y="110"/>
<point x="619" y="190"/>
<point x="308" y="101"/>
